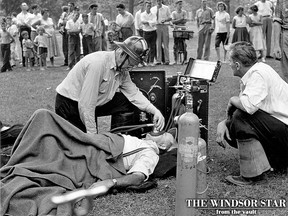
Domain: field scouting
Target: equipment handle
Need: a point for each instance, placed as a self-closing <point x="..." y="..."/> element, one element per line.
<point x="75" y="195"/>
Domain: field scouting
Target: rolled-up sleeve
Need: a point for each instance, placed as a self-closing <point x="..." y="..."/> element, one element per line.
<point x="254" y="93"/>
<point x="88" y="98"/>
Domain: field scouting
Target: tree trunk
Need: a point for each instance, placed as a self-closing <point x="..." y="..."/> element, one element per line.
<point x="131" y="6"/>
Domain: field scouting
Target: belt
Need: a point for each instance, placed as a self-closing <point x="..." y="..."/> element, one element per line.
<point x="266" y="16"/>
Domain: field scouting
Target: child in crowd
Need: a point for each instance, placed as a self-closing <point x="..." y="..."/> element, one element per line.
<point x="28" y="50"/>
<point x="6" y="39"/>
<point x="41" y="41"/>
<point x="113" y="35"/>
<point x="256" y="33"/>
<point x="13" y="30"/>
<point x="239" y="23"/>
<point x="87" y="31"/>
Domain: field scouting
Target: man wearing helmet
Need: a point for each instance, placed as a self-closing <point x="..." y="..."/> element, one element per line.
<point x="101" y="81"/>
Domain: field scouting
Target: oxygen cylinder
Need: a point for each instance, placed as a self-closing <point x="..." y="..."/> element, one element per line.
<point x="201" y="170"/>
<point x="186" y="174"/>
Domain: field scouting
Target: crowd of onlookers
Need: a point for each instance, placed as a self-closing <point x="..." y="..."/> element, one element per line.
<point x="30" y="36"/>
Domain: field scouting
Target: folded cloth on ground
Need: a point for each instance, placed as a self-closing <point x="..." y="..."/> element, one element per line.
<point x="50" y="157"/>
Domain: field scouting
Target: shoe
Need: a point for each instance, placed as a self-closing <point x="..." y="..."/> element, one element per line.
<point x="174" y="63"/>
<point x="42" y="69"/>
<point x="263" y="59"/>
<point x="68" y="69"/>
<point x="269" y="57"/>
<point x="28" y="69"/>
<point x="152" y="64"/>
<point x="157" y="63"/>
<point x="239" y="180"/>
<point x="166" y="63"/>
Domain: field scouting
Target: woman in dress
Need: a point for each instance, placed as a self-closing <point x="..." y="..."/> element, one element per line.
<point x="47" y="23"/>
<point x="256" y="32"/>
<point x="239" y="23"/>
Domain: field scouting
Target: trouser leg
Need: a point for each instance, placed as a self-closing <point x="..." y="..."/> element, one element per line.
<point x="269" y="131"/>
<point x="68" y="109"/>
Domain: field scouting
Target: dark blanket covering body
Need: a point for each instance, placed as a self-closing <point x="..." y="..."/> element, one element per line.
<point x="50" y="157"/>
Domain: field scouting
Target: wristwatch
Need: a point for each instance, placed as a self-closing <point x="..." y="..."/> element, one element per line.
<point x="114" y="182"/>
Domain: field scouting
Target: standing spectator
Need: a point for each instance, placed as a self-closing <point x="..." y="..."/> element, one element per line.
<point x="222" y="28"/>
<point x="6" y="39"/>
<point x="179" y="19"/>
<point x="204" y="17"/>
<point x="113" y="35"/>
<point x="42" y="41"/>
<point x="87" y="31"/>
<point x="138" y="24"/>
<point x="256" y="32"/>
<point x="239" y="23"/>
<point x="280" y="28"/>
<point x="47" y="23"/>
<point x="99" y="27"/>
<point x="163" y="17"/>
<point x="266" y="10"/>
<point x="28" y="50"/>
<point x="73" y="28"/>
<point x="61" y="24"/>
<point x="149" y="21"/>
<point x="13" y="30"/>
<point x="17" y="42"/>
<point x="126" y="21"/>
<point x="23" y="23"/>
<point x="36" y="15"/>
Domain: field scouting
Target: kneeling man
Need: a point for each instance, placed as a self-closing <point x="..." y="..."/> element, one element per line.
<point x="257" y="119"/>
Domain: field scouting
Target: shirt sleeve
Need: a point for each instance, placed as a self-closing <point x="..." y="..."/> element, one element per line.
<point x="168" y="12"/>
<point x="254" y="94"/>
<point x="131" y="20"/>
<point x="137" y="20"/>
<point x="185" y="15"/>
<point x="88" y="97"/>
<point x="145" y="162"/>
<point x="227" y="17"/>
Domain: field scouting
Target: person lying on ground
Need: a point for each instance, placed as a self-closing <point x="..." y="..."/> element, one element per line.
<point x="51" y="156"/>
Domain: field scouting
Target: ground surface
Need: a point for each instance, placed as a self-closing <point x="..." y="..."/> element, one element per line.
<point x="22" y="92"/>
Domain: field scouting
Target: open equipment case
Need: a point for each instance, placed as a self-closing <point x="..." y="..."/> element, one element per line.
<point x="159" y="89"/>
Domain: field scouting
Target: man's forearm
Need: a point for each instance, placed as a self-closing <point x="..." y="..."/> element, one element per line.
<point x="130" y="180"/>
<point x="235" y="101"/>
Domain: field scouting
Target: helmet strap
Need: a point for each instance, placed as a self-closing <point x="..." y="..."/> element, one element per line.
<point x="122" y="63"/>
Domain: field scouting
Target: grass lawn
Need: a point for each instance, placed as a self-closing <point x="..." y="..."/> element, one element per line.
<point x="22" y="92"/>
